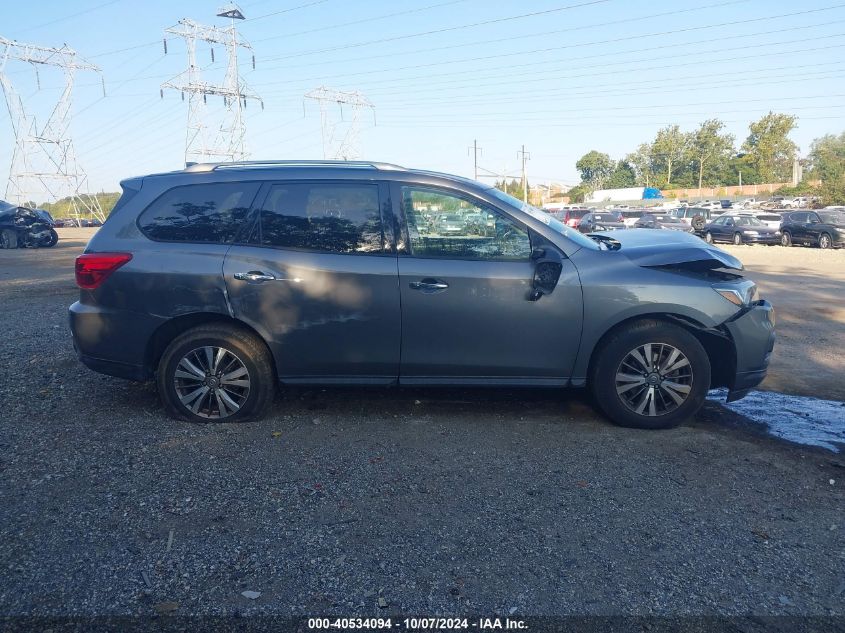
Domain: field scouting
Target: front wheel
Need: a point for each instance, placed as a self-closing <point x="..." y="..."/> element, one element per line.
<point x="825" y="241"/>
<point x="650" y="375"/>
<point x="52" y="240"/>
<point x="216" y="373"/>
<point x="786" y="239"/>
<point x="737" y="239"/>
<point x="709" y="237"/>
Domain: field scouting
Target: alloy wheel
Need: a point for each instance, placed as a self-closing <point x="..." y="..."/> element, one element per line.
<point x="654" y="379"/>
<point x="212" y="382"/>
<point x="824" y="241"/>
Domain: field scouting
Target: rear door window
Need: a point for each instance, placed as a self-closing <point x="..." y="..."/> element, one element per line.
<point x="324" y="217"/>
<point x="210" y="213"/>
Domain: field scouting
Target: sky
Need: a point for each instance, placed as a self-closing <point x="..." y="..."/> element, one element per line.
<point x="559" y="77"/>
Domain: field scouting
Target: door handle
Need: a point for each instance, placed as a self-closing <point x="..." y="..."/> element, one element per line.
<point x="430" y="285"/>
<point x="254" y="276"/>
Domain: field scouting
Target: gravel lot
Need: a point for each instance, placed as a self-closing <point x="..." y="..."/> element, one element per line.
<point x="453" y="501"/>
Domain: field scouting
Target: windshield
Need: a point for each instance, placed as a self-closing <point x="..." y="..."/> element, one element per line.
<point x="744" y="220"/>
<point x="834" y="217"/>
<point x="545" y="218"/>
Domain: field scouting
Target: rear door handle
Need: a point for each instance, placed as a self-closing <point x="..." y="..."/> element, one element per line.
<point x="428" y="285"/>
<point x="254" y="276"/>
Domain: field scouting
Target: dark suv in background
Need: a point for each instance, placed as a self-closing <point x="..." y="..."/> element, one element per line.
<point x="823" y="228"/>
<point x="222" y="280"/>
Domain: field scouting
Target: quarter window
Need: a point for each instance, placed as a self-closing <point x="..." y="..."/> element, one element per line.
<point x="199" y="213"/>
<point x="330" y="218"/>
<point x="450" y="227"/>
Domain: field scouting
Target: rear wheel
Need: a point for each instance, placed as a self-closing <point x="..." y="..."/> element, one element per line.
<point x="786" y="239"/>
<point x="216" y="373"/>
<point x="708" y="237"/>
<point x="650" y="375"/>
<point x="825" y="241"/>
<point x="8" y="239"/>
<point x="737" y="239"/>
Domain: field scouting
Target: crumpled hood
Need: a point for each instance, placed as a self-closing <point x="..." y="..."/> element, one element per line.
<point x="647" y="247"/>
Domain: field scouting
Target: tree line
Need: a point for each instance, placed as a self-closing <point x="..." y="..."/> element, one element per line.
<point x="708" y="157"/>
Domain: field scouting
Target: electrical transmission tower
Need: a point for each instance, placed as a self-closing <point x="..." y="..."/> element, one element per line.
<point x="226" y="138"/>
<point x="43" y="158"/>
<point x="341" y="138"/>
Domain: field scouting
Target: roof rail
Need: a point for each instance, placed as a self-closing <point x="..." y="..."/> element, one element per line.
<point x="256" y="164"/>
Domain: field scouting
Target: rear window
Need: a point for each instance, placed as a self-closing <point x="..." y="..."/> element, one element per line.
<point x="769" y="217"/>
<point x="199" y="213"/>
<point x="329" y="218"/>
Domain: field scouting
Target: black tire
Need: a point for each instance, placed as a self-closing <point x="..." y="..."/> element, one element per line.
<point x="54" y="239"/>
<point x="737" y="239"/>
<point x="608" y="361"/>
<point x="698" y="222"/>
<point x="708" y="237"/>
<point x="242" y="346"/>
<point x="786" y="239"/>
<point x="825" y="242"/>
<point x="8" y="238"/>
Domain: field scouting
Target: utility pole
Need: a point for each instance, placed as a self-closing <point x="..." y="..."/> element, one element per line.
<point x="475" y="149"/>
<point x="43" y="158"/>
<point x="335" y="146"/>
<point x="229" y="141"/>
<point x="524" y="156"/>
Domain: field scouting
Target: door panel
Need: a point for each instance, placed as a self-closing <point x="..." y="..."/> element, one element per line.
<point x="465" y="277"/>
<point x="318" y="279"/>
<point x="323" y="315"/>
<point x="483" y="324"/>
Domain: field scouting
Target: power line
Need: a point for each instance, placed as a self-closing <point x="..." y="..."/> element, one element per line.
<point x="68" y="17"/>
<point x="443" y="30"/>
<point x="301" y="6"/>
<point x="362" y="21"/>
<point x="499" y="40"/>
<point x="593" y="43"/>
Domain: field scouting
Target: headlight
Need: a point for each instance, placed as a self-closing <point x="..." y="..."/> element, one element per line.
<point x="777" y="232"/>
<point x="736" y="297"/>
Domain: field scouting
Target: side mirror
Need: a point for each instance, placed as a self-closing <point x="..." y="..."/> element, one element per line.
<point x="547" y="270"/>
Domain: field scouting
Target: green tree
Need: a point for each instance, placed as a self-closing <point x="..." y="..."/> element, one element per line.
<point x="595" y="168"/>
<point x="643" y="164"/>
<point x="827" y="163"/>
<point x="710" y="149"/>
<point x="578" y="193"/>
<point x="668" y="150"/>
<point x="623" y="175"/>
<point x="770" y="148"/>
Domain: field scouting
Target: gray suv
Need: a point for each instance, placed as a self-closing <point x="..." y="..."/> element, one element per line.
<point x="222" y="280"/>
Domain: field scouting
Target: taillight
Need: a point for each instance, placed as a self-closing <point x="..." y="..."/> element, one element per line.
<point x="92" y="269"/>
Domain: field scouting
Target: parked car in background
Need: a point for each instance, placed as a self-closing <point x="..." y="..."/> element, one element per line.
<point x="823" y="228"/>
<point x="696" y="217"/>
<point x="667" y="222"/>
<point x="630" y="216"/>
<point x="769" y="218"/>
<point x="601" y="221"/>
<point x="327" y="273"/>
<point x="740" y="229"/>
<point x="712" y="205"/>
<point x="795" y="203"/>
<point x="22" y="227"/>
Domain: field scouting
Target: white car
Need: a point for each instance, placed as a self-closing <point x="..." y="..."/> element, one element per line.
<point x="771" y="219"/>
<point x="795" y="203"/>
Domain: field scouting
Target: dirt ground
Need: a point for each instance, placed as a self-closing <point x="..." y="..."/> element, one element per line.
<point x="380" y="502"/>
<point x="807" y="288"/>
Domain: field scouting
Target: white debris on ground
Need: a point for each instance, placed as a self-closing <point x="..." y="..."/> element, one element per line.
<point x="797" y="419"/>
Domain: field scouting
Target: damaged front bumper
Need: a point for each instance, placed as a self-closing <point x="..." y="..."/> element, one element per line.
<point x="753" y="335"/>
